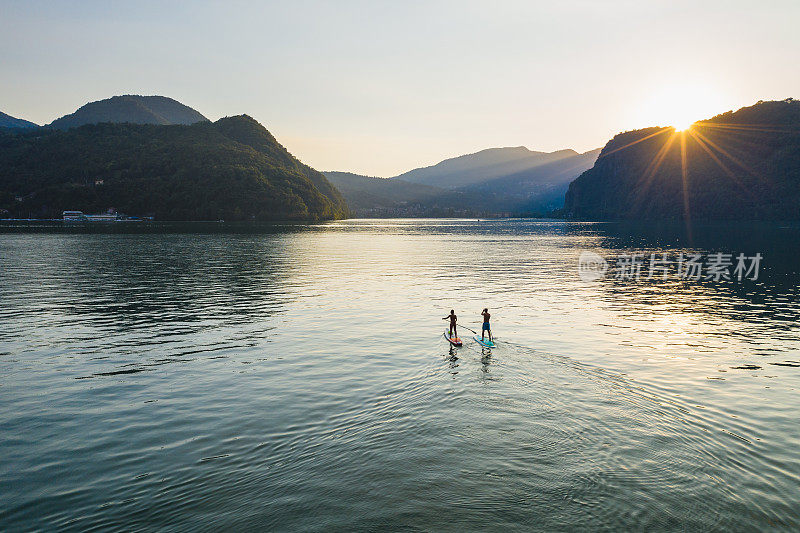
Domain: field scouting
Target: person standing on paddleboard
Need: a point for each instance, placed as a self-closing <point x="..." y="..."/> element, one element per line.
<point x="485" y="314"/>
<point x="453" y="318"/>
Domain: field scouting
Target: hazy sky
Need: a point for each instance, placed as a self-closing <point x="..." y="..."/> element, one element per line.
<point x="383" y="87"/>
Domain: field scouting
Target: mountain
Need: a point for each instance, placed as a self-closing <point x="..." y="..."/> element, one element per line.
<point x="737" y="165"/>
<point x="482" y="166"/>
<point x="535" y="190"/>
<point x="232" y="169"/>
<point x="497" y="181"/>
<point x="381" y="197"/>
<point x="7" y="121"/>
<point x="365" y="192"/>
<point x="133" y="109"/>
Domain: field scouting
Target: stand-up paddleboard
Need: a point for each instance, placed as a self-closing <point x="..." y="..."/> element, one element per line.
<point x="486" y="344"/>
<point x="455" y="341"/>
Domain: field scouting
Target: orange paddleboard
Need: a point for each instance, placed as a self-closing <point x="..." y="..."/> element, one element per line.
<point x="455" y="341"/>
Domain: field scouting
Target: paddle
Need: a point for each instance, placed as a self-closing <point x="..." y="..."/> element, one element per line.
<point x="465" y="327"/>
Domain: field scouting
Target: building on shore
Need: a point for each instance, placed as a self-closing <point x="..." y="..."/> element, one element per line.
<point x="79" y="216"/>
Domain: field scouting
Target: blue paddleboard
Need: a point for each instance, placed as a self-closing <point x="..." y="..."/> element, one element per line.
<point x="486" y="343"/>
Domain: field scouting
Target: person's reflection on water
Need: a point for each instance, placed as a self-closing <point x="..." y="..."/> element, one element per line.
<point x="453" y="360"/>
<point x="486" y="359"/>
<point x="452" y="353"/>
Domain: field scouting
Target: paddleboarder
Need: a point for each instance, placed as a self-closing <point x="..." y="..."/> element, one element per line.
<point x="453" y="318"/>
<point x="485" y="314"/>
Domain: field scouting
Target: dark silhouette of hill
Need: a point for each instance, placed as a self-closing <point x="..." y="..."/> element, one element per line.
<point x="737" y="165"/>
<point x="232" y="169"/>
<point x="365" y="192"/>
<point x="7" y="121"/>
<point x="381" y="197"/>
<point x="134" y="109"/>
<point x="247" y="131"/>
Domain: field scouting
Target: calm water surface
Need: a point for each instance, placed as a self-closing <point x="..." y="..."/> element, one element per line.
<point x="295" y="378"/>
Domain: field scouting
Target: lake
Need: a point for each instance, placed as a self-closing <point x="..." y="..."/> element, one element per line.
<point x="295" y="378"/>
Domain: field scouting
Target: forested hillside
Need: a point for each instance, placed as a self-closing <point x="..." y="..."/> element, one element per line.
<point x="737" y="165"/>
<point x="232" y="169"/>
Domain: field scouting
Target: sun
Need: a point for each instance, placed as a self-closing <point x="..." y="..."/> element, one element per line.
<point x="679" y="105"/>
<point x="682" y="124"/>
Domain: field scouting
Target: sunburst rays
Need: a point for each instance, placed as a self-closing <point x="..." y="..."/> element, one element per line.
<point x="687" y="212"/>
<point x="709" y="137"/>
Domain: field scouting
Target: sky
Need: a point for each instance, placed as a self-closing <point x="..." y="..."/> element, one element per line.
<point x="379" y="87"/>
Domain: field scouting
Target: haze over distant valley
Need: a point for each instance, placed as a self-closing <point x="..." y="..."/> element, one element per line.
<point x="510" y="181"/>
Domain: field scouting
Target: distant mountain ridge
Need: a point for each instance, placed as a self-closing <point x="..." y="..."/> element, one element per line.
<point x="495" y="181"/>
<point x="741" y="165"/>
<point x="7" y="121"/>
<point x="537" y="189"/>
<point x="368" y="196"/>
<point x="482" y="166"/>
<point x="133" y="109"/>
